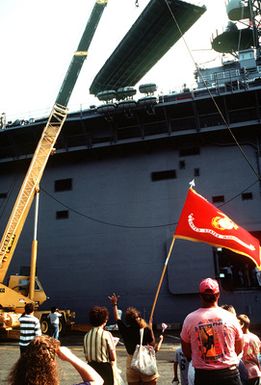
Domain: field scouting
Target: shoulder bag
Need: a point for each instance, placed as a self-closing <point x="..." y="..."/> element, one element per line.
<point x="144" y="358"/>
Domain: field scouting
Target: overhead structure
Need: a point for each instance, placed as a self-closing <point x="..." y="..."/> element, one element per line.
<point x="156" y="30"/>
<point x="238" y="9"/>
<point x="235" y="39"/>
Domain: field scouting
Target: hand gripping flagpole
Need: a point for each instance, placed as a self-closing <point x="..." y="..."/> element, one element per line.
<point x="161" y="280"/>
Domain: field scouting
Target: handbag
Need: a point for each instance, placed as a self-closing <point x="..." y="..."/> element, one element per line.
<point x="144" y="358"/>
<point x="117" y="377"/>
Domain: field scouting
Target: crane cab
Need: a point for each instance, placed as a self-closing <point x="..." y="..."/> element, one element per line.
<point x="20" y="284"/>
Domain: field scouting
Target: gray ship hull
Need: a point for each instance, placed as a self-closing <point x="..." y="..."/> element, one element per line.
<point x="111" y="198"/>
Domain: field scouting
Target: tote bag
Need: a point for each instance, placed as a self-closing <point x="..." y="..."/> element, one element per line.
<point x="144" y="358"/>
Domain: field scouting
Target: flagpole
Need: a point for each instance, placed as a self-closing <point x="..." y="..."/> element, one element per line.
<point x="161" y="280"/>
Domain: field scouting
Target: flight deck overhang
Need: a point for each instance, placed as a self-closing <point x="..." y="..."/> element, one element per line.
<point x="157" y="29"/>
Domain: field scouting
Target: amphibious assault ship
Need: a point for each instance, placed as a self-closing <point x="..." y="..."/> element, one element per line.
<point x="112" y="194"/>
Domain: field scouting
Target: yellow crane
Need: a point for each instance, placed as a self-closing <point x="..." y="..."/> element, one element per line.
<point x="23" y="289"/>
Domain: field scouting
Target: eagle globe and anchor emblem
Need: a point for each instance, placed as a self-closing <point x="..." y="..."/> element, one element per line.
<point x="221" y="223"/>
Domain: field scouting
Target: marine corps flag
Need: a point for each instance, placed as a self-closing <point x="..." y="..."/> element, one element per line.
<point x="203" y="222"/>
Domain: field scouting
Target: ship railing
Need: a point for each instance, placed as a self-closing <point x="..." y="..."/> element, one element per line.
<point x="229" y="74"/>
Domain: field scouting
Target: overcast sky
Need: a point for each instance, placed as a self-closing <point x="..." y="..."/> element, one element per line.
<point x="38" y="38"/>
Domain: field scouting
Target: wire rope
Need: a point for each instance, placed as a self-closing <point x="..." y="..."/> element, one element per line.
<point x="134" y="226"/>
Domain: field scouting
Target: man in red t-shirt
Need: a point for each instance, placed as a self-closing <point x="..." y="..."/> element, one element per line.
<point x="212" y="338"/>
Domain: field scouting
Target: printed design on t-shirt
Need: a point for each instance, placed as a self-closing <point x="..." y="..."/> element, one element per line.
<point x="210" y="337"/>
<point x="251" y="350"/>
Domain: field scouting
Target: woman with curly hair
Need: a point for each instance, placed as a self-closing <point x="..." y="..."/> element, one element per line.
<point x="99" y="347"/>
<point x="130" y="332"/>
<point x="38" y="364"/>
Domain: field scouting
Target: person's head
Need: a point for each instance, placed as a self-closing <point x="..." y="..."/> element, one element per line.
<point x="53" y="309"/>
<point x="209" y="291"/>
<point x="229" y="308"/>
<point x="244" y="321"/>
<point x="37" y="365"/>
<point x="98" y="315"/>
<point x="29" y="308"/>
<point x="133" y="317"/>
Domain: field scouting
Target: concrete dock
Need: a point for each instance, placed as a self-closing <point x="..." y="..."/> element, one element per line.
<point x="9" y="353"/>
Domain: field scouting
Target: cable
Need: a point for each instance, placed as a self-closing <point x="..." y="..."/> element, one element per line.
<point x="129" y="226"/>
<point x="237" y="195"/>
<point x="210" y="94"/>
<point x="105" y="222"/>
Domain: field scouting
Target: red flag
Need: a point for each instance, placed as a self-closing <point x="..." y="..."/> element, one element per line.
<point x="203" y="222"/>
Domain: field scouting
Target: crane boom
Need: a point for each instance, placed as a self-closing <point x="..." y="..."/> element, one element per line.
<point x="46" y="144"/>
<point x="81" y="54"/>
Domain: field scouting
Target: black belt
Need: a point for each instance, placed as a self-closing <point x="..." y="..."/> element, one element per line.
<point x="233" y="367"/>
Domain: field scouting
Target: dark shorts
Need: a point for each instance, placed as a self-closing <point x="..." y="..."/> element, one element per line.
<point x="105" y="371"/>
<point x="253" y="381"/>
<point x="228" y="376"/>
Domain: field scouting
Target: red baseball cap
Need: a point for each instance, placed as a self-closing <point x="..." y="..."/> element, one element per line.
<point x="209" y="285"/>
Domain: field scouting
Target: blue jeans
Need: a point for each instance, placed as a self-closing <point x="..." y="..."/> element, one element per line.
<point x="217" y="377"/>
<point x="55" y="331"/>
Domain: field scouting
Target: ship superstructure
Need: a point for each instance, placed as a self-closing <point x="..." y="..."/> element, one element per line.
<point x="240" y="48"/>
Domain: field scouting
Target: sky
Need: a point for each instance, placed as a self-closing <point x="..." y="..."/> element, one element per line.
<point x="38" y="38"/>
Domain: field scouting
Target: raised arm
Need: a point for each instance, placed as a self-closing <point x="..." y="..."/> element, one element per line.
<point x="159" y="343"/>
<point x="85" y="371"/>
<point x="114" y="298"/>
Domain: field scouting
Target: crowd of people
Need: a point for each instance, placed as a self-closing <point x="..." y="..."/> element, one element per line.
<point x="217" y="347"/>
<point x="217" y="344"/>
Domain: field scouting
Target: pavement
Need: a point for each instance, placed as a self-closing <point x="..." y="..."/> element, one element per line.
<point x="9" y="353"/>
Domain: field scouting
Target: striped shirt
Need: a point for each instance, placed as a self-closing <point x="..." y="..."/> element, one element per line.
<point x="97" y="345"/>
<point x="29" y="329"/>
